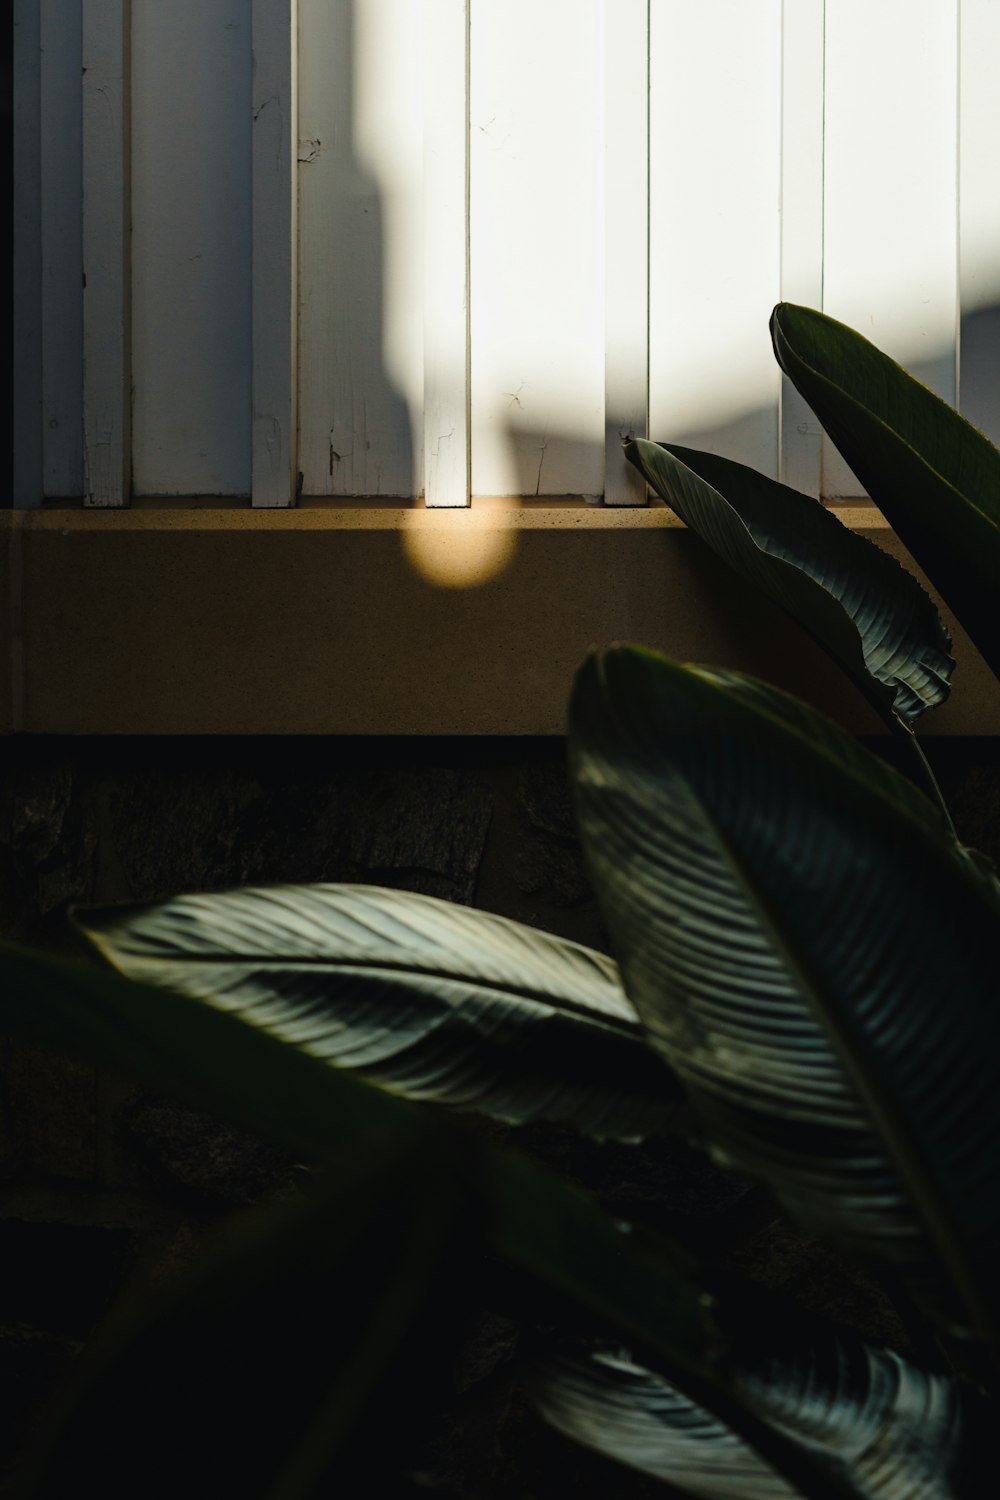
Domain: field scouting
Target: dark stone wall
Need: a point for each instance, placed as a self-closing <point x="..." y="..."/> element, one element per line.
<point x="105" y="1186"/>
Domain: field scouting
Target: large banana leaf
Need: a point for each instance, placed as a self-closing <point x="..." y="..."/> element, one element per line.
<point x="300" y="1354"/>
<point x="814" y="956"/>
<point x="899" y="1432"/>
<point x="934" y="475"/>
<point x="873" y="617"/>
<point x="432" y="1000"/>
<point x="574" y="1266"/>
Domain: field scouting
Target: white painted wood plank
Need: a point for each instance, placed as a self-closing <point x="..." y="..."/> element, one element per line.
<point x="361" y="226"/>
<point x="537" y="246"/>
<point x="446" y="255"/>
<point x="802" y="82"/>
<point x="274" y="463"/>
<point x="62" y="246"/>
<point x="979" y="215"/>
<point x="715" y="161"/>
<point x="106" y="276"/>
<point x="27" y="310"/>
<point x="626" y="239"/>
<point x="334" y="202"/>
<point x="890" y="264"/>
<point x="191" y="228"/>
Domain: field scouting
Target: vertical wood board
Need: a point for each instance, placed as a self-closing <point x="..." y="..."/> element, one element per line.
<point x="979" y="215"/>
<point x="446" y="477"/>
<point x="715" y="251"/>
<point x="191" y="225"/>
<point x="27" y="309"/>
<point x="62" y="247"/>
<point x="537" y="247"/>
<point x="890" y="263"/>
<point x="274" y="258"/>
<point x="361" y="221"/>
<point x="107" y="301"/>
<point x="802" y="85"/>
<point x="626" y="241"/>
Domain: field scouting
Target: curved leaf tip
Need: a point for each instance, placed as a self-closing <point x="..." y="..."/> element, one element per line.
<point x="871" y="615"/>
<point x="935" y="476"/>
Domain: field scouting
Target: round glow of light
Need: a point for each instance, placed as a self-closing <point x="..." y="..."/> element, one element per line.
<point x="459" y="549"/>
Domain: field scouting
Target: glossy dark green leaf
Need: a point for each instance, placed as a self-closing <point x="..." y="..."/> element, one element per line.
<point x="432" y="1000"/>
<point x="301" y="1354"/>
<point x="872" y="616"/>
<point x="814" y="956"/>
<point x="572" y="1263"/>
<point x="935" y="476"/>
<point x="899" y="1432"/>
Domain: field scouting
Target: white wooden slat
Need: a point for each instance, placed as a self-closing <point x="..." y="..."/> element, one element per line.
<point x="626" y="232"/>
<point x="334" y="202"/>
<point x="106" y="274"/>
<point x="27" y="309"/>
<point x="715" y="159"/>
<point x="446" y="255"/>
<point x="361" y="225"/>
<point x="191" y="214"/>
<point x="890" y="264"/>
<point x="537" y="247"/>
<point x="274" y="463"/>
<point x="979" y="215"/>
<point x="62" y="247"/>
<point x="802" y="84"/>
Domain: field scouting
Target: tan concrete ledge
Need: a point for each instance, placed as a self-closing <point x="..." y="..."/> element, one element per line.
<point x="362" y="618"/>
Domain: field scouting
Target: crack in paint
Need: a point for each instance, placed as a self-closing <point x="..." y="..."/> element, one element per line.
<point x="541" y="460"/>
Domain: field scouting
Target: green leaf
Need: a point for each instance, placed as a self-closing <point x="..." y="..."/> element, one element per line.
<point x="204" y="1055"/>
<point x="873" y="617"/>
<point x="934" y="475"/>
<point x="897" y="1431"/>
<point x="300" y="1354"/>
<point x="572" y="1263"/>
<point x="813" y="955"/>
<point x="431" y="1000"/>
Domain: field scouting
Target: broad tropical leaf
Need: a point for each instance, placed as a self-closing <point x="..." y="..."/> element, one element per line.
<point x="574" y="1266"/>
<point x="899" y="1432"/>
<point x="434" y="1001"/>
<point x="873" y="617"/>
<point x="934" y="475"/>
<point x="814" y="956"/>
<point x="301" y="1354"/>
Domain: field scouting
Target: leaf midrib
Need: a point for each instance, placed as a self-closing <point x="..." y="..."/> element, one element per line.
<point x="599" y="1018"/>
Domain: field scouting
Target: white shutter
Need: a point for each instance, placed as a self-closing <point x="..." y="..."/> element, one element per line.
<point x="519" y="228"/>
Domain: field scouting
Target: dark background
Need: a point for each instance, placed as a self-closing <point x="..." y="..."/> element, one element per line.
<point x="105" y="1186"/>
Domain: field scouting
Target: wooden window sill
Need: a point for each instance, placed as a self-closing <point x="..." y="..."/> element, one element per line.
<point x="210" y="617"/>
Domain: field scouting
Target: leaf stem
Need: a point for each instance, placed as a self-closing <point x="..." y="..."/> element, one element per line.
<point x="925" y="772"/>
